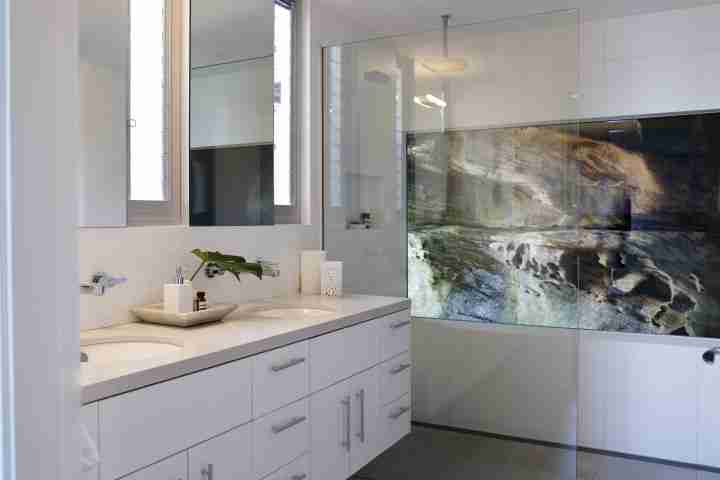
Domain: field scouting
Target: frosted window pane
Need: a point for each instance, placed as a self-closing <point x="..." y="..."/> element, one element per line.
<point x="283" y="111"/>
<point x="147" y="100"/>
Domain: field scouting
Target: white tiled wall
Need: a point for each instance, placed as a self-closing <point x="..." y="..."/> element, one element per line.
<point x="647" y="64"/>
<point x="147" y="256"/>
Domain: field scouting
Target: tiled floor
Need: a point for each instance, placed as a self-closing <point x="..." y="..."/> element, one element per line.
<point x="434" y="454"/>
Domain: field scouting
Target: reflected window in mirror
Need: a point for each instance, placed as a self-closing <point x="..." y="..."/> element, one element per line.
<point x="147" y="100"/>
<point x="155" y="99"/>
<point x="282" y="102"/>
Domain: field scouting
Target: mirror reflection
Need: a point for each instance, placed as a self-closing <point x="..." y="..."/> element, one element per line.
<point x="240" y="116"/>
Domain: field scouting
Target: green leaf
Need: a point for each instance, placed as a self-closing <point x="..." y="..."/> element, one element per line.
<point x="234" y="264"/>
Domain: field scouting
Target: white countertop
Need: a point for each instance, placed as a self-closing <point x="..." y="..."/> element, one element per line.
<point x="240" y="335"/>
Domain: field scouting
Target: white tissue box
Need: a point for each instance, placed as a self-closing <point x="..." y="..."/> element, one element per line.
<point x="310" y="264"/>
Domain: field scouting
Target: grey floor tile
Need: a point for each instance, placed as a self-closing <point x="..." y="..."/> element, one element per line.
<point x="432" y="454"/>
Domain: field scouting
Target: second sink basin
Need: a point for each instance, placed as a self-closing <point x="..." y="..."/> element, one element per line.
<point x="125" y="349"/>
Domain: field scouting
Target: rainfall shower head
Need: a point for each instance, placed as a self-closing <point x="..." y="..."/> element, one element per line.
<point x="444" y="64"/>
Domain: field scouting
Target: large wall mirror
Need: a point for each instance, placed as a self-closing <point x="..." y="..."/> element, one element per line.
<point x="135" y="81"/>
<point x="241" y="169"/>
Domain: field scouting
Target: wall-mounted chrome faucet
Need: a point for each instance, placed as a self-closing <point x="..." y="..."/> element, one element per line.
<point x="269" y="269"/>
<point x="100" y="282"/>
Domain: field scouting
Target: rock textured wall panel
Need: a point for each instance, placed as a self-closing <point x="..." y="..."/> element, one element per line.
<point x="606" y="225"/>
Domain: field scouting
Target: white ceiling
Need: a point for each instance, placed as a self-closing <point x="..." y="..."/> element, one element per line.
<point x="336" y="21"/>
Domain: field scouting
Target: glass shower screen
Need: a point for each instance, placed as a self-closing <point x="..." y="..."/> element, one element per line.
<point x="448" y="177"/>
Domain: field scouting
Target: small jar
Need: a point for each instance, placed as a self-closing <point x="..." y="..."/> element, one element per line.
<point x="200" y="302"/>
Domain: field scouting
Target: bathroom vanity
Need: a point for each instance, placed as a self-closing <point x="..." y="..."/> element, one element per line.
<point x="292" y="389"/>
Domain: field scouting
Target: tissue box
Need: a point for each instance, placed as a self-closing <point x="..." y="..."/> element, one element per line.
<point x="310" y="264"/>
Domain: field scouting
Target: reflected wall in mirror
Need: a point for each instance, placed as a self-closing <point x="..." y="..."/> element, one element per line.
<point x="241" y="169"/>
<point x="104" y="44"/>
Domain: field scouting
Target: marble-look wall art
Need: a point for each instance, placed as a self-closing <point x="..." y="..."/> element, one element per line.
<point x="606" y="225"/>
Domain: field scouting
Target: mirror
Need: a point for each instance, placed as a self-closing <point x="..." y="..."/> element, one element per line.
<point x="130" y="63"/>
<point x="240" y="169"/>
<point x="134" y="90"/>
<point x="103" y="51"/>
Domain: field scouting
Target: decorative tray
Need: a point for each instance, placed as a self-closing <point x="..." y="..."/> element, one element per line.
<point x="155" y="314"/>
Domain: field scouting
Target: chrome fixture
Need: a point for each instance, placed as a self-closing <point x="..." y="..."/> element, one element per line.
<point x="709" y="356"/>
<point x="84" y="357"/>
<point x="269" y="269"/>
<point x="100" y="282"/>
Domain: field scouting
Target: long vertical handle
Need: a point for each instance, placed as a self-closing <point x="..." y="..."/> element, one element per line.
<point x="207" y="472"/>
<point x="346" y="406"/>
<point x="361" y="397"/>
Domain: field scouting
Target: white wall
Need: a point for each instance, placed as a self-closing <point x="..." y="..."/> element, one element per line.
<point x="147" y="256"/>
<point x="502" y="379"/>
<point x="647" y="64"/>
<point x="102" y="167"/>
<point x="638" y="394"/>
<point x="232" y="104"/>
<point x="40" y="147"/>
<point x="103" y="48"/>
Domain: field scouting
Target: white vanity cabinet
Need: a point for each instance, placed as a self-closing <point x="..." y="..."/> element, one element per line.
<point x="89" y="421"/>
<point x="173" y="468"/>
<point x="320" y="408"/>
<point x="225" y="457"/>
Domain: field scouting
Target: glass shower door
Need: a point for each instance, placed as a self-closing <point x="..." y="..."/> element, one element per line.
<point x="448" y="179"/>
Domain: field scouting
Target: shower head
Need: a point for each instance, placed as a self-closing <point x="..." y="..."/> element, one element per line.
<point x="444" y="64"/>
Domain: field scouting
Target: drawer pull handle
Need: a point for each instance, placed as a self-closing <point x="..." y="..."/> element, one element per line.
<point x="361" y="397"/>
<point x="399" y="413"/>
<point x="207" y="472"/>
<point x="346" y="406"/>
<point x="400" y="368"/>
<point x="300" y="476"/>
<point x="288" y="364"/>
<point x="401" y="324"/>
<point x="285" y="426"/>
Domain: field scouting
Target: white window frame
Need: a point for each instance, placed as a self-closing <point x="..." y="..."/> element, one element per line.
<point x="169" y="211"/>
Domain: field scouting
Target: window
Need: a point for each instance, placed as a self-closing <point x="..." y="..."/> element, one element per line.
<point x="284" y="175"/>
<point x="153" y="126"/>
<point x="147" y="100"/>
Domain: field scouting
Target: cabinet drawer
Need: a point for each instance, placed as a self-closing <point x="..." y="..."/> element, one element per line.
<point x="280" y="377"/>
<point x="225" y="457"/>
<point x="394" y="334"/>
<point x="339" y="355"/>
<point x="280" y="437"/>
<point x="173" y="468"/>
<point x="144" y="426"/>
<point x="395" y="421"/>
<point x="395" y="378"/>
<point x="297" y="470"/>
